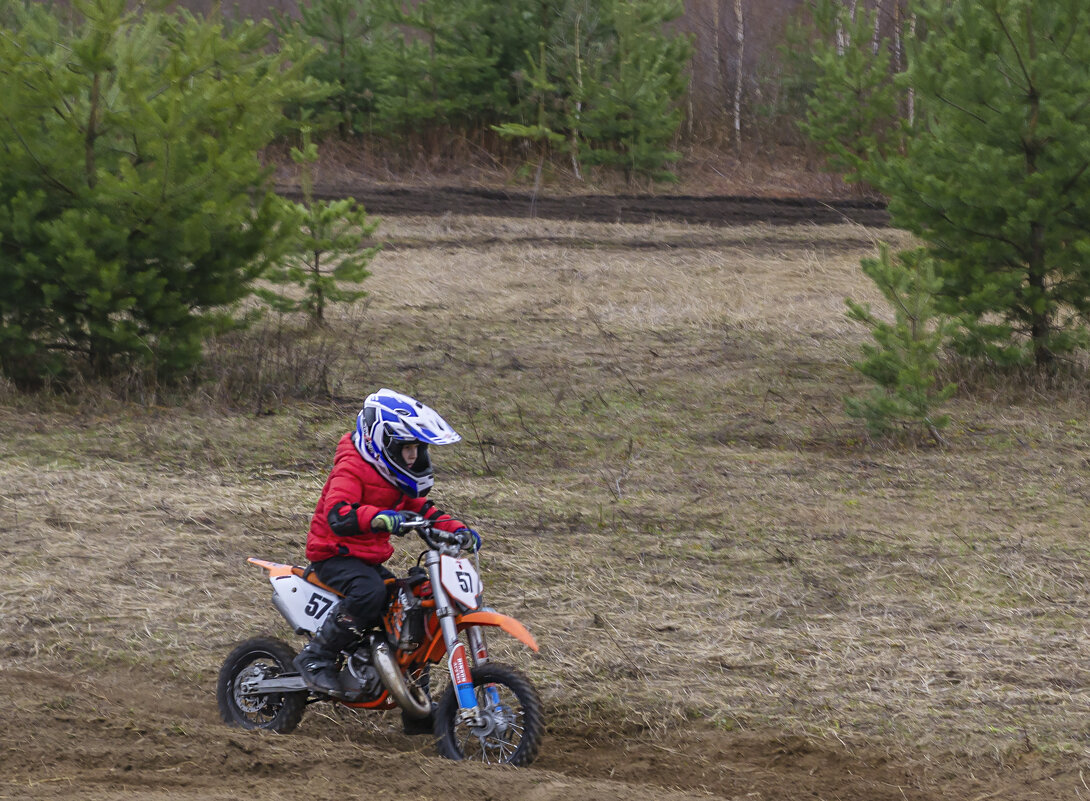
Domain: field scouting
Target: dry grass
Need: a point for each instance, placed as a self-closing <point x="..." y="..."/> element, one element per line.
<point x="710" y="169"/>
<point x="670" y="495"/>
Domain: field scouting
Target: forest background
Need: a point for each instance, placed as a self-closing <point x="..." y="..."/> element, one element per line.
<point x="731" y="119"/>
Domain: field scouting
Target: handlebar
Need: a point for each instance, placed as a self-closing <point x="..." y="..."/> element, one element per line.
<point x="434" y="538"/>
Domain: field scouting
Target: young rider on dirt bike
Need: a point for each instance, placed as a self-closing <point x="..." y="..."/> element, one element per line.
<point x="380" y="470"/>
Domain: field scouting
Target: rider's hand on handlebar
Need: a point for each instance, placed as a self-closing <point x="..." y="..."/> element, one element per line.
<point x="389" y="520"/>
<point x="470" y="539"/>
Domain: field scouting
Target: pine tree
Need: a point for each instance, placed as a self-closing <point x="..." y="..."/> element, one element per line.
<point x="442" y="69"/>
<point x="541" y="134"/>
<point x="992" y="170"/>
<point x="609" y="88"/>
<point x="328" y="250"/>
<point x="853" y="105"/>
<point x="351" y="35"/>
<point x="551" y="90"/>
<point x="133" y="207"/>
<point x="903" y="361"/>
<point x="631" y="89"/>
<point x="997" y="178"/>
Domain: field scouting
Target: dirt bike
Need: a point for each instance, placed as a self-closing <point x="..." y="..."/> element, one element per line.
<point x="489" y="712"/>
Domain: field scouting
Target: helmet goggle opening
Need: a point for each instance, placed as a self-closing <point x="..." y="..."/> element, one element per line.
<point x="394" y="449"/>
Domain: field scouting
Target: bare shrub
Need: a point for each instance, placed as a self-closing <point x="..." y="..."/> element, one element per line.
<point x="986" y="382"/>
<point x="262" y="367"/>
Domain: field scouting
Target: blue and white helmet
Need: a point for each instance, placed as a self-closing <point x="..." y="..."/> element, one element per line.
<point x="386" y="423"/>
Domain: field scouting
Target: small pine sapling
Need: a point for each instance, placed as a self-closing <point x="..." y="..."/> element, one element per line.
<point x="903" y="361"/>
<point x="542" y="133"/>
<point x="327" y="252"/>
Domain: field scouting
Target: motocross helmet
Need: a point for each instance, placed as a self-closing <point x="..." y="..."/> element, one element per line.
<point x="389" y="421"/>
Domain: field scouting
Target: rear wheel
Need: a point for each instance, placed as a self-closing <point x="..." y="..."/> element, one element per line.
<point x="511" y="720"/>
<point x="259" y="658"/>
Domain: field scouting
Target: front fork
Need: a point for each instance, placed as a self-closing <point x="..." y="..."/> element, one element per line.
<point x="479" y="648"/>
<point x="457" y="664"/>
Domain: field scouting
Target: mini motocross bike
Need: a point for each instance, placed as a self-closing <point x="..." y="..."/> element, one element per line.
<point x="490" y="712"/>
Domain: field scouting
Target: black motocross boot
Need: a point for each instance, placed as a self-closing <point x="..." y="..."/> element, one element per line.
<point x="317" y="662"/>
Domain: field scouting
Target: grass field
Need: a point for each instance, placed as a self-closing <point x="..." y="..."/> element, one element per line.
<point x="655" y="453"/>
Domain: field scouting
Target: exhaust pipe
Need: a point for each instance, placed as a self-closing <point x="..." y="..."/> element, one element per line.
<point x="414" y="701"/>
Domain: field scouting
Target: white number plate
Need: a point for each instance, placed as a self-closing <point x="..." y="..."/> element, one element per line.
<point x="461" y="581"/>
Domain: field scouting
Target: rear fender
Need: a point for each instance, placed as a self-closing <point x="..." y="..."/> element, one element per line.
<point x="304" y="602"/>
<point x="274" y="569"/>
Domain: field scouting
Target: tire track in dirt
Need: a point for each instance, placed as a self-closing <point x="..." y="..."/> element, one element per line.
<point x="120" y="734"/>
<point x="772" y="244"/>
<point x="722" y="210"/>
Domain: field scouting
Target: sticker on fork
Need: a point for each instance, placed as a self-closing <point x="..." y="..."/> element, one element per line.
<point x="459" y="674"/>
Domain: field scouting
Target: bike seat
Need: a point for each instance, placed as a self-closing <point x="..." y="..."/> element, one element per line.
<point x="307" y="574"/>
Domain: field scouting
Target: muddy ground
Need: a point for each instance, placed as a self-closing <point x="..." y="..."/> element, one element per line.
<point x="697" y="210"/>
<point x="119" y="733"/>
<point x="126" y="735"/>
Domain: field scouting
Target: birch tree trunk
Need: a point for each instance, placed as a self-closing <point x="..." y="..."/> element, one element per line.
<point x="900" y="63"/>
<point x="875" y="41"/>
<point x="898" y="42"/>
<point x="740" y="47"/>
<point x="577" y="118"/>
<point x="717" y="54"/>
<point x="912" y="91"/>
<point x="843" y="37"/>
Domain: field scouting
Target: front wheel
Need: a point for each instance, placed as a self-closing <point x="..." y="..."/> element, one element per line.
<point x="259" y="658"/>
<point x="511" y="721"/>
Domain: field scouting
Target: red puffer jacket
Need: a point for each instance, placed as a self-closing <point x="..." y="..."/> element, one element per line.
<point x="354" y="481"/>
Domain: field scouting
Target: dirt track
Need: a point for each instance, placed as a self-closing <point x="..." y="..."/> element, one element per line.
<point x="132" y="735"/>
<point x="137" y="736"/>
<point x="712" y="210"/>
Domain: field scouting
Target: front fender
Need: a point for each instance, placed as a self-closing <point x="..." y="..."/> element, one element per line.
<point x="508" y="624"/>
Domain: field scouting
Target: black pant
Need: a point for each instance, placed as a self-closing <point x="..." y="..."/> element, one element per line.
<point x="363" y="585"/>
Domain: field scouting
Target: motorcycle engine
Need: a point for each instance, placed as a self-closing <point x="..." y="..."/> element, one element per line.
<point x="359" y="679"/>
